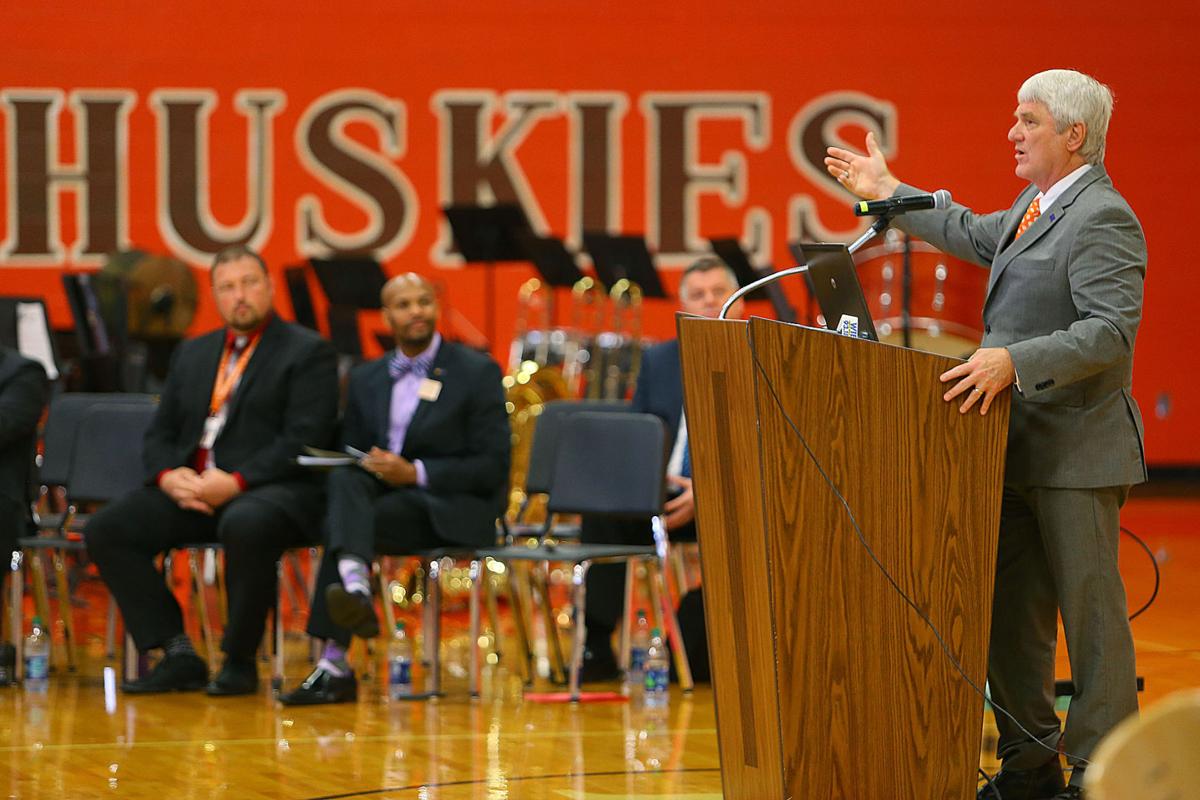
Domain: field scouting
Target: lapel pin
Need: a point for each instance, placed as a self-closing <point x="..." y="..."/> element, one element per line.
<point x="1052" y="218"/>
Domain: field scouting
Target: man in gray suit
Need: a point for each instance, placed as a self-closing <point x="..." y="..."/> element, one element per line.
<point x="1063" y="304"/>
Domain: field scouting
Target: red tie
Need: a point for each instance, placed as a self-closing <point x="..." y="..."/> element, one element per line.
<point x="1034" y="211"/>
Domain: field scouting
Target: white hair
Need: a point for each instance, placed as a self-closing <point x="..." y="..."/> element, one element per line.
<point x="1072" y="97"/>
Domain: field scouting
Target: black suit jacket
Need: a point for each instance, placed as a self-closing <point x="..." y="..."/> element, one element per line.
<point x="287" y="398"/>
<point x="660" y="387"/>
<point x="22" y="397"/>
<point x="462" y="438"/>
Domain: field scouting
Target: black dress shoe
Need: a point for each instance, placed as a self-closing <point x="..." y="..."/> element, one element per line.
<point x="180" y="673"/>
<point x="1039" y="783"/>
<point x="353" y="611"/>
<point x="321" y="687"/>
<point x="1071" y="793"/>
<point x="236" y="677"/>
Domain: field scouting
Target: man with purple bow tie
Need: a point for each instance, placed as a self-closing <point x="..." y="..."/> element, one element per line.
<point x="430" y="417"/>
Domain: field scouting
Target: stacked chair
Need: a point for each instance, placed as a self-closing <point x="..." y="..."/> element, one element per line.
<point x="93" y="452"/>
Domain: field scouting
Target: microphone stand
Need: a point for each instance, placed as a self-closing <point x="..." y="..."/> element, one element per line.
<point x="877" y="227"/>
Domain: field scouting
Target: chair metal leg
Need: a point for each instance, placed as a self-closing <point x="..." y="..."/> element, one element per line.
<point x="517" y="606"/>
<point x="679" y="571"/>
<point x="493" y="609"/>
<point x="132" y="659"/>
<point x="385" y="596"/>
<point x="541" y="583"/>
<point x="222" y="593"/>
<point x="16" y="609"/>
<point x="579" y="586"/>
<point x="433" y="627"/>
<point x="277" y="626"/>
<point x="626" y="643"/>
<point x="65" y="613"/>
<point x="110" y="631"/>
<point x="656" y="608"/>
<point x="476" y="578"/>
<point x="201" y="604"/>
<point x="41" y="592"/>
<point x="682" y="667"/>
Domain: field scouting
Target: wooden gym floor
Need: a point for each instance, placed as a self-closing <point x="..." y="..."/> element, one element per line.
<point x="79" y="741"/>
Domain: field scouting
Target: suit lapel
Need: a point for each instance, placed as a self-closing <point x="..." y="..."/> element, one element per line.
<point x="208" y="360"/>
<point x="379" y="386"/>
<point x="1041" y="226"/>
<point x="262" y="356"/>
<point x="439" y="371"/>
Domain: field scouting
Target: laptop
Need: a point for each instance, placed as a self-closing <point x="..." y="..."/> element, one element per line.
<point x="833" y="279"/>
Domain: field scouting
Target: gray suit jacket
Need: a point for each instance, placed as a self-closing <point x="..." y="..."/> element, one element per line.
<point x="1066" y="300"/>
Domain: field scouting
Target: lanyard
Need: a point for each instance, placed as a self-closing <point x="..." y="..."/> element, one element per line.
<point x="226" y="380"/>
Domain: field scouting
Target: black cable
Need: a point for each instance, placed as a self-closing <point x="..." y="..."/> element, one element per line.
<point x="995" y="793"/>
<point x="1157" y="574"/>
<point x="1081" y="761"/>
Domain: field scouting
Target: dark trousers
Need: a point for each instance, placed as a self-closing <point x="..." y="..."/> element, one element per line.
<point x="1058" y="554"/>
<point x="366" y="517"/>
<point x="124" y="538"/>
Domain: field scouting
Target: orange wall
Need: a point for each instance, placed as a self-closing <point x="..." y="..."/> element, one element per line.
<point x="941" y="76"/>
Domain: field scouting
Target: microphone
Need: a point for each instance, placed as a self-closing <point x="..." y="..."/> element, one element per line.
<point x="902" y="205"/>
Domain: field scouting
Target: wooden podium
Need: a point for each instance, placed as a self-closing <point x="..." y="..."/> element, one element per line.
<point x="827" y="683"/>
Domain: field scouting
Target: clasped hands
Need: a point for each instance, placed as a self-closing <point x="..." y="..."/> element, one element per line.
<point x="204" y="492"/>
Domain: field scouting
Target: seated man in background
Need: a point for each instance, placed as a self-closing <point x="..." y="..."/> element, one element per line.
<point x="23" y="392"/>
<point x="705" y="286"/>
<point x="239" y="405"/>
<point x="430" y="417"/>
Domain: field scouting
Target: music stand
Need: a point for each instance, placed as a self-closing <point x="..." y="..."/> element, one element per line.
<point x="627" y="257"/>
<point x="351" y="283"/>
<point x="730" y="251"/>
<point x="554" y="262"/>
<point x="485" y="235"/>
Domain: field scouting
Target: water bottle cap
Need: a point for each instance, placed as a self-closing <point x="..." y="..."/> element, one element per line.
<point x="399" y="625"/>
<point x="37" y="621"/>
<point x="656" y="632"/>
<point x="641" y="613"/>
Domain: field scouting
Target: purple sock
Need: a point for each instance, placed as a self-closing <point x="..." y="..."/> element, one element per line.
<point x="355" y="575"/>
<point x="333" y="659"/>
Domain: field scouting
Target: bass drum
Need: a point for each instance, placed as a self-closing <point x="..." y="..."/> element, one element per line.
<point x="946" y="306"/>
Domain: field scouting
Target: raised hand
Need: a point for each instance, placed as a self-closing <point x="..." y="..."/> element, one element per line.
<point x="866" y="176"/>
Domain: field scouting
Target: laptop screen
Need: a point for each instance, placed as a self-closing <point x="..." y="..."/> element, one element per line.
<point x="834" y="281"/>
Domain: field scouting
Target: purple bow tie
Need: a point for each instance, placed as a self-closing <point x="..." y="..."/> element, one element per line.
<point x="400" y="365"/>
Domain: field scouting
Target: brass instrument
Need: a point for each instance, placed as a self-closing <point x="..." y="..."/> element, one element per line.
<point x="623" y="357"/>
<point x="533" y="379"/>
<point x="587" y="321"/>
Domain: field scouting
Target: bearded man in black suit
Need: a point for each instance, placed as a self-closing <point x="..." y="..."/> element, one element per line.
<point x="431" y="419"/>
<point x="239" y="405"/>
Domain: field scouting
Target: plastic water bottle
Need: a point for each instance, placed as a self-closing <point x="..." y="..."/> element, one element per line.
<point x="37" y="658"/>
<point x="639" y="642"/>
<point x="655" y="670"/>
<point x="400" y="658"/>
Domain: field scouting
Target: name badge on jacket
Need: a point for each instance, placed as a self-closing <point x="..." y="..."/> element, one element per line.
<point x="429" y="389"/>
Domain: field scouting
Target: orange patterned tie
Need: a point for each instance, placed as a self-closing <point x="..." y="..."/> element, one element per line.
<point x="1033" y="212"/>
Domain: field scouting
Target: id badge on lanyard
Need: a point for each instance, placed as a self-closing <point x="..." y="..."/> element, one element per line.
<point x="212" y="427"/>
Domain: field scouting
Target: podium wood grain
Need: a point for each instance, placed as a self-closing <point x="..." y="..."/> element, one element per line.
<point x="867" y="704"/>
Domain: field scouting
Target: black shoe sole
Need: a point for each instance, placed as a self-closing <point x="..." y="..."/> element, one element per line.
<point x="190" y="686"/>
<point x="316" y="700"/>
<point x="347" y="611"/>
<point x="216" y="690"/>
